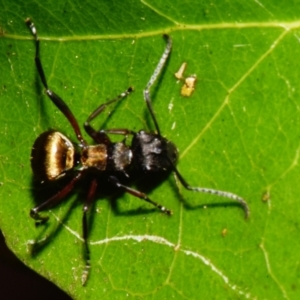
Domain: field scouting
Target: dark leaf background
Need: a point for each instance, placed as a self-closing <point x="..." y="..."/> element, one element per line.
<point x="238" y="132"/>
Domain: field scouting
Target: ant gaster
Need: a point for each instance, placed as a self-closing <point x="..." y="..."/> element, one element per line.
<point x="54" y="155"/>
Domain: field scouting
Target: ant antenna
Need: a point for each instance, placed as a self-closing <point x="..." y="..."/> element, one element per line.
<point x="229" y="195"/>
<point x="153" y="78"/>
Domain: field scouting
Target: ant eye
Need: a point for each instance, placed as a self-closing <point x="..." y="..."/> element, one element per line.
<point x="105" y="162"/>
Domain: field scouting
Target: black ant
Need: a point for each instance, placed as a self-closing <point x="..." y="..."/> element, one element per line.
<point x="54" y="156"/>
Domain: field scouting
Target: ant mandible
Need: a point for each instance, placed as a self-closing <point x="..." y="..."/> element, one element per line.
<point x="54" y="156"/>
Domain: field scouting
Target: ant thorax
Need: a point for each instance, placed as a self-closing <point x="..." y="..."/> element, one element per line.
<point x="120" y="157"/>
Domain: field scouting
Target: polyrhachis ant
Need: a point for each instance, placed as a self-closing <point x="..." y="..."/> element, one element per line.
<point x="55" y="156"/>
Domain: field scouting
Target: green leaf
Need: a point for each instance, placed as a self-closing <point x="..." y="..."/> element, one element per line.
<point x="238" y="132"/>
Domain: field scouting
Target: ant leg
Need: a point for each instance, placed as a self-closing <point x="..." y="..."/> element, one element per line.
<point x="87" y="204"/>
<point x="101" y="108"/>
<point x="59" y="103"/>
<point x="120" y="131"/>
<point x="34" y="212"/>
<point x="229" y="195"/>
<point x="138" y="194"/>
<point x="153" y="78"/>
<point x="101" y="137"/>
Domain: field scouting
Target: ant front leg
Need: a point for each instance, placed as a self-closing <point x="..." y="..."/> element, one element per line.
<point x="59" y="103"/>
<point x="101" y="136"/>
<point x="138" y="194"/>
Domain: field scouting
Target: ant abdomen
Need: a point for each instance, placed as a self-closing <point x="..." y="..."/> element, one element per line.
<point x="52" y="155"/>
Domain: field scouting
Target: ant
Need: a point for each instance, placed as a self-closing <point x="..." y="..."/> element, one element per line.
<point x="54" y="156"/>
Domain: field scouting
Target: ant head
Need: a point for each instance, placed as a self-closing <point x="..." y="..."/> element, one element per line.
<point x="153" y="153"/>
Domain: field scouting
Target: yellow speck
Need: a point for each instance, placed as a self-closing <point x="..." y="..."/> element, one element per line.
<point x="224" y="232"/>
<point x="188" y="86"/>
<point x="179" y="73"/>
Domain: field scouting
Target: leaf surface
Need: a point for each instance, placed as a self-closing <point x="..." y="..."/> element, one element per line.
<point x="238" y="132"/>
